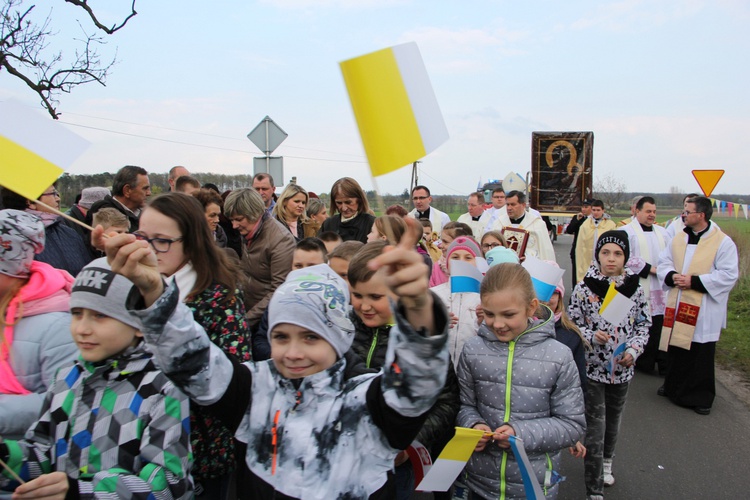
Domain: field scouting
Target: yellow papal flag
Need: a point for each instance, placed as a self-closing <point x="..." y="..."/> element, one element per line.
<point x="34" y="149"/>
<point x="395" y="107"/>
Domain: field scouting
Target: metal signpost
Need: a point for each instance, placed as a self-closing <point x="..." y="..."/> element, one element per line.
<point x="267" y="136"/>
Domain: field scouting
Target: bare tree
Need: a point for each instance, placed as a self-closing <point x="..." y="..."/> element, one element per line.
<point x="675" y="196"/>
<point x="24" y="52"/>
<point x="611" y="191"/>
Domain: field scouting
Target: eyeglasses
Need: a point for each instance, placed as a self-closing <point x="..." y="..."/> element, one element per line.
<point x="685" y="212"/>
<point x="420" y="198"/>
<point x="490" y="246"/>
<point x="160" y="245"/>
<point x="54" y="192"/>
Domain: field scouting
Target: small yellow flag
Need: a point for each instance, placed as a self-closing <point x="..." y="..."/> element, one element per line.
<point x="395" y="107"/>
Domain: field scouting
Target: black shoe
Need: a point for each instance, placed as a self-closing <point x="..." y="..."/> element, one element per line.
<point x="661" y="391"/>
<point x="702" y="410"/>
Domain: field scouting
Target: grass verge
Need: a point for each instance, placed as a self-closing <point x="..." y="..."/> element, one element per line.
<point x="733" y="350"/>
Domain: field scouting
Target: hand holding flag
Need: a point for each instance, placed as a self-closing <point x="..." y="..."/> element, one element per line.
<point x="615" y="306"/>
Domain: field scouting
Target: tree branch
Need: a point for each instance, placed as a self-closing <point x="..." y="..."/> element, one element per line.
<point x="24" y="54"/>
<point x="84" y="4"/>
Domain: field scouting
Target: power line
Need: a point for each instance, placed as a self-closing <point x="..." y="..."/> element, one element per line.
<point x="206" y="146"/>
<point x="159" y="127"/>
<point x="422" y="172"/>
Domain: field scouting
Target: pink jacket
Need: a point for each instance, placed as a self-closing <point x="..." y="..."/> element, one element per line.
<point x="48" y="290"/>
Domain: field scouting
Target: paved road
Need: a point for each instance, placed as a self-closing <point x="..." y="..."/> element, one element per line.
<point x="667" y="452"/>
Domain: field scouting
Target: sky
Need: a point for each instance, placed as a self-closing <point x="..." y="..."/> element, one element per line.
<point x="662" y="84"/>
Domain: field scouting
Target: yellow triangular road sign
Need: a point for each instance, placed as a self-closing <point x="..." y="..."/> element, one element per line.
<point x="707" y="180"/>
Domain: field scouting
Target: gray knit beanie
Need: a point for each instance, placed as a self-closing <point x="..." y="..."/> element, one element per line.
<point x="98" y="288"/>
<point x="315" y="298"/>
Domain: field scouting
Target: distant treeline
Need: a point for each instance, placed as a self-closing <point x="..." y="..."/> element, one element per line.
<point x="70" y="185"/>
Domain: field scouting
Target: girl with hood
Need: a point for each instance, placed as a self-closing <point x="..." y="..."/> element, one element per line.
<point x="34" y="319"/>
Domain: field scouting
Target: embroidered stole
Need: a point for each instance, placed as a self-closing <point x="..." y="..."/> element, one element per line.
<point x="683" y="306"/>
<point x="645" y="251"/>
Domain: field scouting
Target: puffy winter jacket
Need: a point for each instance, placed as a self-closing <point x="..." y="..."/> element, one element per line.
<point x="118" y="429"/>
<point x="530" y="383"/>
<point x="633" y="331"/>
<point x="42" y="345"/>
<point x="371" y="345"/>
<point x="322" y="437"/>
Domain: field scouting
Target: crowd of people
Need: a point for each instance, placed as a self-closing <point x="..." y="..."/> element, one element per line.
<point x="199" y="343"/>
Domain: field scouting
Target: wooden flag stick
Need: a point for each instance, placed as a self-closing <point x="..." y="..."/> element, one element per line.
<point x="12" y="472"/>
<point x="386" y="222"/>
<point x="72" y="219"/>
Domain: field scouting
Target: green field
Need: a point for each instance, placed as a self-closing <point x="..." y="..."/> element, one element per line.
<point x="733" y="350"/>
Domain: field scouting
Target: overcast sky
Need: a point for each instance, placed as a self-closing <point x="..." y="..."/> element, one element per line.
<point x="662" y="84"/>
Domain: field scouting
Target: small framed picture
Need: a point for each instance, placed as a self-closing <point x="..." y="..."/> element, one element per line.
<point x="517" y="239"/>
<point x="561" y="170"/>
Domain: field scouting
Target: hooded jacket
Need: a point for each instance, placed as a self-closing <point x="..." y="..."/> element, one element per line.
<point x="119" y="427"/>
<point x="371" y="345"/>
<point x="322" y="437"/>
<point x="36" y="346"/>
<point x="530" y="383"/>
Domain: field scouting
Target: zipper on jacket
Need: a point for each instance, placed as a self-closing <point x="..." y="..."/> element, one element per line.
<point x="274" y="440"/>
<point x="275" y="430"/>
<point x="548" y="474"/>
<point x="506" y="415"/>
<point x="373" y="344"/>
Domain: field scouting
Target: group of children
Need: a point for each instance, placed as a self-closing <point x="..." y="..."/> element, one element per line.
<point x="362" y="358"/>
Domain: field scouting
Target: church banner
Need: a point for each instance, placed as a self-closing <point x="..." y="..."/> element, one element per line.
<point x="561" y="170"/>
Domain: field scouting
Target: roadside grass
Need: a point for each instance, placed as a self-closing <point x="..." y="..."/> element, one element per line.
<point x="733" y="350"/>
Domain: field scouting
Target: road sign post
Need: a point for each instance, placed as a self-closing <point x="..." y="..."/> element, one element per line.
<point x="707" y="180"/>
<point x="267" y="136"/>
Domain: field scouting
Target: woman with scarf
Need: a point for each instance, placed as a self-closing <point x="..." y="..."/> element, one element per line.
<point x="175" y="225"/>
<point x="34" y="322"/>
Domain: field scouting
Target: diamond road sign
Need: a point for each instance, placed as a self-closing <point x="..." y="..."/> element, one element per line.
<point x="267" y="136"/>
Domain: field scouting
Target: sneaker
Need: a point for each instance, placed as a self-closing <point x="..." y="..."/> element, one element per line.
<point x="594" y="497"/>
<point x="609" y="479"/>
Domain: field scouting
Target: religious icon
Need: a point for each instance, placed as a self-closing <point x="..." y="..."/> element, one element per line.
<point x="561" y="170"/>
<point x="517" y="239"/>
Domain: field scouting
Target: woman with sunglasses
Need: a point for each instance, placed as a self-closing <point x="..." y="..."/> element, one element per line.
<point x="175" y="226"/>
<point x="64" y="248"/>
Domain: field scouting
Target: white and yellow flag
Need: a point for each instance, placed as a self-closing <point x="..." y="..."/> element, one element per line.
<point x="395" y="107"/>
<point x="34" y="150"/>
<point x="451" y="461"/>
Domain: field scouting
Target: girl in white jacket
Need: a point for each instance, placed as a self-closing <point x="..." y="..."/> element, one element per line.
<point x="462" y="306"/>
